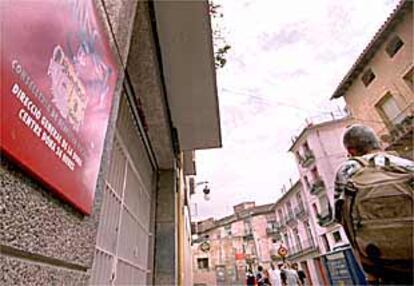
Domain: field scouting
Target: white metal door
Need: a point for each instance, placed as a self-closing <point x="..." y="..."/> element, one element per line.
<point x="123" y="237"/>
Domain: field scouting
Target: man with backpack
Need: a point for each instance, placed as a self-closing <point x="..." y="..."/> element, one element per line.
<point x="374" y="202"/>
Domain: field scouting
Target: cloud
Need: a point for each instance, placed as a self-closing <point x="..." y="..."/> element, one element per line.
<point x="286" y="59"/>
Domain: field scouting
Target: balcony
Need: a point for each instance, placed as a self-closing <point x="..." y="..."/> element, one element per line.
<point x="290" y="219"/>
<point x="400" y="135"/>
<point x="302" y="248"/>
<point x="325" y="217"/>
<point x="317" y="187"/>
<point x="301" y="212"/>
<point x="248" y="235"/>
<point x="282" y="225"/>
<point x="307" y="159"/>
<point x="273" y="228"/>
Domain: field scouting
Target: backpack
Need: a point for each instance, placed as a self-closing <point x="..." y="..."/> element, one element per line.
<point x="378" y="214"/>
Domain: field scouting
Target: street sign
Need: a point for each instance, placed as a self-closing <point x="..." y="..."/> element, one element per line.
<point x="58" y="77"/>
<point x="205" y="246"/>
<point x="282" y="251"/>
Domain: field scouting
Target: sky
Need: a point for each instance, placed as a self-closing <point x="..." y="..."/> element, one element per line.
<point x="286" y="59"/>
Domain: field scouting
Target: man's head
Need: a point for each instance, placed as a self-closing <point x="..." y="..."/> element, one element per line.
<point x="280" y="265"/>
<point x="260" y="268"/>
<point x="295" y="266"/>
<point x="360" y="140"/>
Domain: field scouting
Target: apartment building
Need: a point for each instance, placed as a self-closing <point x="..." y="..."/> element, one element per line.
<point x="294" y="229"/>
<point x="378" y="89"/>
<point x="319" y="152"/>
<point x="225" y="248"/>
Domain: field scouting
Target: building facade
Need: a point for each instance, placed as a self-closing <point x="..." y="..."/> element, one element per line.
<point x="319" y="153"/>
<point x="294" y="229"/>
<point x="378" y="89"/>
<point x="224" y="249"/>
<point x="138" y="230"/>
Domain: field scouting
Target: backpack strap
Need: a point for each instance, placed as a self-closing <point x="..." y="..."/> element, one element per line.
<point x="362" y="161"/>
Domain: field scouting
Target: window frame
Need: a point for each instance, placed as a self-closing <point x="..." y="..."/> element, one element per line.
<point x="408" y="78"/>
<point x="366" y="79"/>
<point x="378" y="107"/>
<point x="394" y="45"/>
<point x="337" y="232"/>
<point x="202" y="259"/>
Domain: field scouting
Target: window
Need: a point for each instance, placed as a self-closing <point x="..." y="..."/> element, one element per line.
<point x="367" y="77"/>
<point x="389" y="111"/>
<point x="308" y="231"/>
<point x="394" y="45"/>
<point x="337" y="236"/>
<point x="297" y="238"/>
<point x="306" y="148"/>
<point x="227" y="229"/>
<point x="247" y="228"/>
<point x="271" y="224"/>
<point x="299" y="200"/>
<point x="326" y="243"/>
<point x="280" y="215"/>
<point x="315" y="208"/>
<point x="324" y="203"/>
<point x="202" y="263"/>
<point x="305" y="178"/>
<point x="287" y="241"/>
<point x="289" y="208"/>
<point x="298" y="157"/>
<point x="315" y="173"/>
<point x="408" y="78"/>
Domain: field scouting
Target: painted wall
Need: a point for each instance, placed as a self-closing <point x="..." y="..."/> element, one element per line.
<point x="389" y="74"/>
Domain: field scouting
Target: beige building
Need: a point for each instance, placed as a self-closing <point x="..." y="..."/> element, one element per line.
<point x="378" y="89"/>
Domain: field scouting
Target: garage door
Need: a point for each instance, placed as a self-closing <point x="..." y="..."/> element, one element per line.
<point x="124" y="240"/>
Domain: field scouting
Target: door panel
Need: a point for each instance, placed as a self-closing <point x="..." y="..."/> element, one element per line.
<point x="123" y="238"/>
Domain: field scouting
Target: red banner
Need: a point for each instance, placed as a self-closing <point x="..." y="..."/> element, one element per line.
<point x="58" y="77"/>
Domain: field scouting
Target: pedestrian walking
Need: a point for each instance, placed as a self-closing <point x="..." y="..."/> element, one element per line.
<point x="292" y="278"/>
<point x="275" y="276"/>
<point x="260" y="279"/>
<point x="374" y="202"/>
<point x="266" y="281"/>
<point x="250" y="280"/>
<point x="301" y="273"/>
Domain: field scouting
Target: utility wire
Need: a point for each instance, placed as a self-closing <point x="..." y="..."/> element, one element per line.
<point x="319" y="112"/>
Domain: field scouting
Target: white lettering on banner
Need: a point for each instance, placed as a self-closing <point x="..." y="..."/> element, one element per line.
<point x="51" y="129"/>
<point x="30" y="122"/>
<point x="32" y="117"/>
<point x="21" y="95"/>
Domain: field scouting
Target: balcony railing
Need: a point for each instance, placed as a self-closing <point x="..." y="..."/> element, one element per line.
<point x="307" y="159"/>
<point x="290" y="218"/>
<point x="301" y="211"/>
<point x="317" y="187"/>
<point x="248" y="234"/>
<point x="273" y="229"/>
<point x="398" y="136"/>
<point x="301" y="248"/>
<point x="325" y="217"/>
<point x="282" y="223"/>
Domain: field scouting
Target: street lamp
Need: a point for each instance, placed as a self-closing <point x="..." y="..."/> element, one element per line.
<point x="206" y="189"/>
